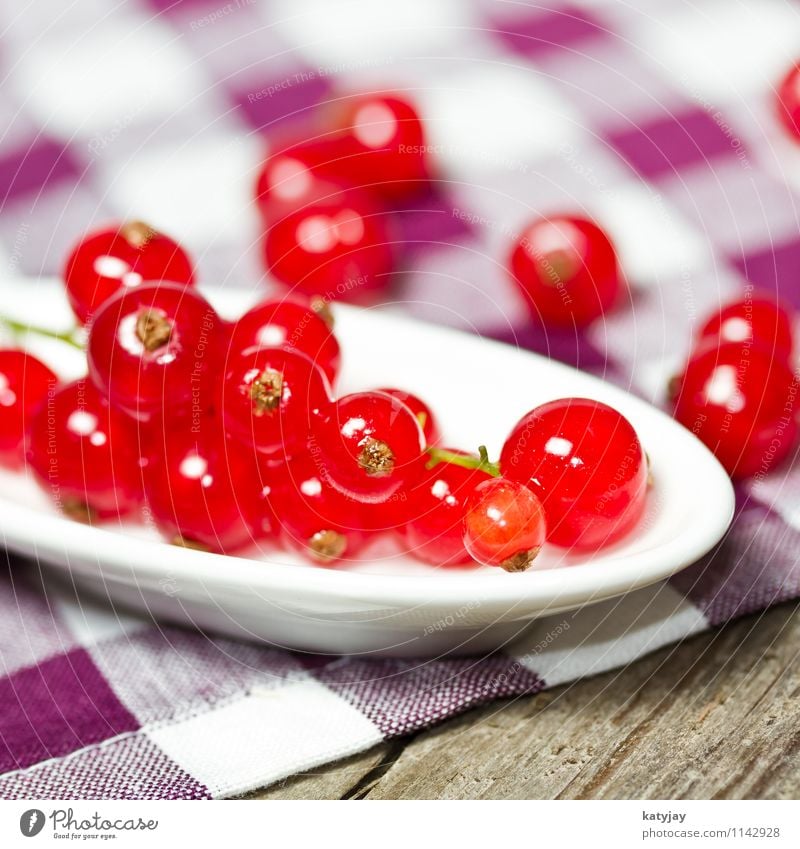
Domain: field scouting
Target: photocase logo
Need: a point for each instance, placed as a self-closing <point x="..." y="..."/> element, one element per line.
<point x="31" y="822"/>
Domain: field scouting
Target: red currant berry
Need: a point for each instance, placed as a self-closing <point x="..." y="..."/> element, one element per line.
<point x="370" y="447"/>
<point x="336" y="247"/>
<point x="568" y="269"/>
<point x="154" y="345"/>
<point x="421" y="410"/>
<point x="200" y="492"/>
<point x="760" y="320"/>
<point x="86" y="453"/>
<point x="434" y="531"/>
<point x="121" y="257"/>
<point x="739" y="401"/>
<point x="293" y="325"/>
<point x="382" y="146"/>
<point x="585" y="462"/>
<point x="504" y="524"/>
<point x="272" y="399"/>
<point x="788" y="101"/>
<point x="25" y="383"/>
<point x="293" y="176"/>
<point x="325" y="525"/>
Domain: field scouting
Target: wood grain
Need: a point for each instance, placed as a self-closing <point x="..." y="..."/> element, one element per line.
<point x="717" y="716"/>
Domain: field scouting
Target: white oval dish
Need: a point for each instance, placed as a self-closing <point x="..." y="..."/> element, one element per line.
<point x="389" y="604"/>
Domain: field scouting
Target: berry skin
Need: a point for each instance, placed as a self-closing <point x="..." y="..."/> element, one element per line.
<point x="324" y="525"/>
<point x="759" y="320"/>
<point x="370" y="447"/>
<point x="154" y="345"/>
<point x="25" y="384"/>
<point x="272" y="398"/>
<point x="122" y="257"/>
<point x="86" y="454"/>
<point x="295" y="175"/>
<point x="585" y="462"/>
<point x="568" y="269"/>
<point x="291" y="324"/>
<point x="504" y="524"/>
<point x="374" y="143"/>
<point x="200" y="492"/>
<point x="740" y="401"/>
<point x="788" y="101"/>
<point x="381" y="147"/>
<point x="337" y="246"/>
<point x="421" y="410"/>
<point x="434" y="532"/>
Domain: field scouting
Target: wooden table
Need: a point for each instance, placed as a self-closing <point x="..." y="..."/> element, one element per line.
<point x="717" y="716"/>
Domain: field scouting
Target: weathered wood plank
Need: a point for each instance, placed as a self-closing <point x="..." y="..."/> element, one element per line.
<point x="716" y="716"/>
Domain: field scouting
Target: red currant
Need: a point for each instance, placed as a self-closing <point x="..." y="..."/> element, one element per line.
<point x="337" y="247"/>
<point x="200" y="492"/>
<point x="25" y="383"/>
<point x="504" y="524"/>
<point x="788" y="101"/>
<point x="761" y="320"/>
<point x="86" y="453"/>
<point x="382" y="146"/>
<point x="121" y="257"/>
<point x="314" y="518"/>
<point x="585" y="462"/>
<point x="290" y="324"/>
<point x="370" y="447"/>
<point x="293" y="176"/>
<point x="434" y="531"/>
<point x="272" y="399"/>
<point x="155" y="345"/>
<point x="421" y="410"/>
<point x="739" y="401"/>
<point x="568" y="269"/>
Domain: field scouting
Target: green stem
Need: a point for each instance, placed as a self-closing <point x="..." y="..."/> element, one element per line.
<point x="18" y="328"/>
<point x="466" y="461"/>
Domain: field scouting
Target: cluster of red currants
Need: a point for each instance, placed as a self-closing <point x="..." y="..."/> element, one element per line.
<point x="738" y="390"/>
<point x="325" y="200"/>
<point x="326" y="207"/>
<point x="223" y="434"/>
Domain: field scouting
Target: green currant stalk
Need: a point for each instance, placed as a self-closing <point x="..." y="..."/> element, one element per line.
<point x="19" y="328"/>
<point x="467" y="461"/>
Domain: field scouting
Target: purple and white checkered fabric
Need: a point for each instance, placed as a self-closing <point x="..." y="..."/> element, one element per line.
<point x="655" y="117"/>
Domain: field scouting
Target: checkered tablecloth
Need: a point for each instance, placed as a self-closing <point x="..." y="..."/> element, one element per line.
<point x="654" y="117"/>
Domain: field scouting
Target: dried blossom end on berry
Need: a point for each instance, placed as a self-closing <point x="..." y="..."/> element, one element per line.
<point x="137" y="233"/>
<point x="185" y="542"/>
<point x="376" y="457"/>
<point x="327" y="546"/>
<point x="521" y="561"/>
<point x="78" y="511"/>
<point x="153" y="329"/>
<point x="323" y="309"/>
<point x="266" y="392"/>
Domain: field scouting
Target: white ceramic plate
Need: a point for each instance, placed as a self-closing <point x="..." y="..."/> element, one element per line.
<point x="388" y="604"/>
